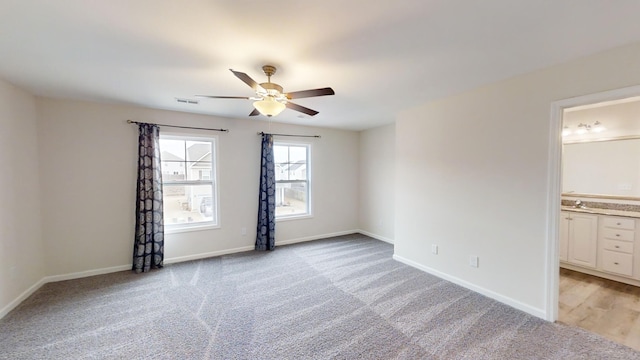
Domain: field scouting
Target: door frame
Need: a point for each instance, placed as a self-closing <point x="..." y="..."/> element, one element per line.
<point x="554" y="187"/>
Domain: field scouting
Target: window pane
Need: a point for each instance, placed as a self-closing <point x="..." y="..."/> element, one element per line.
<point x="188" y="160"/>
<point x="291" y="165"/>
<point x="196" y="170"/>
<point x="291" y="199"/>
<point x="298" y="171"/>
<point x="282" y="172"/>
<point x="188" y="204"/>
<point x="173" y="171"/>
<point x="297" y="154"/>
<point x="199" y="151"/>
<point x="172" y="150"/>
<point x="205" y="174"/>
<point x="291" y="162"/>
<point x="280" y="154"/>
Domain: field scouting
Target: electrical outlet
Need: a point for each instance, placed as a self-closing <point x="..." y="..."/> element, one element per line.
<point x="473" y="261"/>
<point x="243" y="231"/>
<point x="434" y="249"/>
<point x="13" y="272"/>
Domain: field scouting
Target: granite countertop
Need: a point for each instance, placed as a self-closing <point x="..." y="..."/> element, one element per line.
<point x="598" y="211"/>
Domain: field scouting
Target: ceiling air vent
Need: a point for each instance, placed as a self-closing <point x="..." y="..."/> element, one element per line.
<point x="187" y="101"/>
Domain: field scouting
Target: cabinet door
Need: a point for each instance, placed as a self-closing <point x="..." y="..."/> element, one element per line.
<point x="583" y="239"/>
<point x="564" y="236"/>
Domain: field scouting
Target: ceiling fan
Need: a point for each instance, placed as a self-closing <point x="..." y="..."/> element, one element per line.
<point x="270" y="100"/>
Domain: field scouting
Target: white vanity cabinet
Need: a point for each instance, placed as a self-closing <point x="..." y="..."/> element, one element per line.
<point x="602" y="245"/>
<point x="579" y="238"/>
<point x="617" y="242"/>
<point x="564" y="235"/>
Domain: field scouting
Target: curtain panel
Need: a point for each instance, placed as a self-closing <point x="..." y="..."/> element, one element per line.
<point x="148" y="248"/>
<point x="266" y="235"/>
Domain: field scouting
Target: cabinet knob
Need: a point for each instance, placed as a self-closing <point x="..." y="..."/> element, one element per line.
<point x="618" y="235"/>
<point x="618" y="223"/>
<point x="616" y="263"/>
<point x="617" y="247"/>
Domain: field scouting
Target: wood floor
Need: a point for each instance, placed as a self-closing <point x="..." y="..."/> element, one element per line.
<point x="605" y="307"/>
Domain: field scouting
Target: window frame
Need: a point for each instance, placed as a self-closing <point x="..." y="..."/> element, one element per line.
<point x="213" y="182"/>
<point x="309" y="213"/>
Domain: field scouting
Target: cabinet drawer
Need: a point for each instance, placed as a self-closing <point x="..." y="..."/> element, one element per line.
<point x="619" y="223"/>
<point x="617" y="234"/>
<point x="617" y="263"/>
<point x="621" y="246"/>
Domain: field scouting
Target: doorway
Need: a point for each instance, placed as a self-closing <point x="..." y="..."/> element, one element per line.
<point x="584" y="284"/>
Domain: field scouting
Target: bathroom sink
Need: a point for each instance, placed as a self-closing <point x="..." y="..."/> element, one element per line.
<point x="576" y="208"/>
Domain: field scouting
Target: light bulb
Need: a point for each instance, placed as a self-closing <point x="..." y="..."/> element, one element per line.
<point x="269" y="106"/>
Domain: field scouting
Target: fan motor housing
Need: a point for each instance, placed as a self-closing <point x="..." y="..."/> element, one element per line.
<point x="269" y="70"/>
<point x="269" y="86"/>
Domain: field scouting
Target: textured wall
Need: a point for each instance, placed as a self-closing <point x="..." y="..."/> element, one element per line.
<point x="88" y="156"/>
<point x="473" y="170"/>
<point x="377" y="178"/>
<point x="21" y="248"/>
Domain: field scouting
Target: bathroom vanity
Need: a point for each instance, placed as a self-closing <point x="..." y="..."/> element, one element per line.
<point x="600" y="241"/>
<point x="600" y="214"/>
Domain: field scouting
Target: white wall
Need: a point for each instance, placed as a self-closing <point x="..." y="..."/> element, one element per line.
<point x="88" y="158"/>
<point x="472" y="176"/>
<point x="21" y="248"/>
<point x="377" y="182"/>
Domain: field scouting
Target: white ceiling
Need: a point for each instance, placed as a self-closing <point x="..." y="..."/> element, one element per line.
<point x="379" y="56"/>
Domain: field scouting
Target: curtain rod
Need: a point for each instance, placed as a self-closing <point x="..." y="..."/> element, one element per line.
<point x="311" y="136"/>
<point x="176" y="126"/>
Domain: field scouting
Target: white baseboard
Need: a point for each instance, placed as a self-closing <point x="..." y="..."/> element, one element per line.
<point x="22" y="297"/>
<point x="250" y="248"/>
<point x="315" y="237"/>
<point x="47" y="279"/>
<point x="178" y="259"/>
<point x="87" y="273"/>
<point x="375" y="236"/>
<point x="488" y="293"/>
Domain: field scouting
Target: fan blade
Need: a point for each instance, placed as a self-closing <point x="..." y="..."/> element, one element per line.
<point x="255" y="112"/>
<point x="310" y="93"/>
<point x="301" y="109"/>
<point x="247" y="80"/>
<point x="223" y="97"/>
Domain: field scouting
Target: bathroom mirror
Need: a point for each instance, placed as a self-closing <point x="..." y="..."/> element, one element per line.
<point x="604" y="168"/>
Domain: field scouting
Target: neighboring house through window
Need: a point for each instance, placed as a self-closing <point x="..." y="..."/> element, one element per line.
<point x="189" y="181"/>
<point x="292" y="180"/>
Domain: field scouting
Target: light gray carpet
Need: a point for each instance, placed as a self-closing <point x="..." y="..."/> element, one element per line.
<point x="342" y="298"/>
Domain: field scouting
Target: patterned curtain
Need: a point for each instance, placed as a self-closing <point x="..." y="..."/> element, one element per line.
<point x="266" y="238"/>
<point x="148" y="247"/>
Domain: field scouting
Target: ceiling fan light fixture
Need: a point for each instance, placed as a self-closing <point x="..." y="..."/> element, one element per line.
<point x="269" y="106"/>
<point x="270" y="99"/>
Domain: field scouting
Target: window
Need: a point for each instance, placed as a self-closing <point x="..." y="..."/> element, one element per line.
<point x="292" y="180"/>
<point x="189" y="181"/>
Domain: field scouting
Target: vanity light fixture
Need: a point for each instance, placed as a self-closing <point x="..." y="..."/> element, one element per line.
<point x="584" y="128"/>
<point x="597" y="127"/>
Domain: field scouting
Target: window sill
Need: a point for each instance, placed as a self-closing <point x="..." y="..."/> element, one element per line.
<point x="294" y="217"/>
<point x="177" y="230"/>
